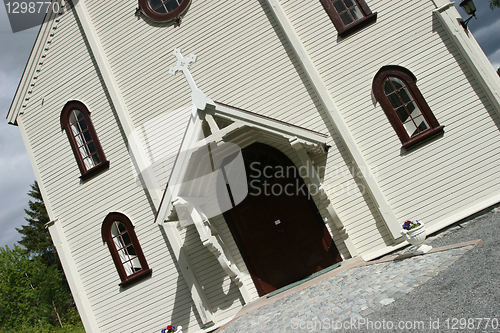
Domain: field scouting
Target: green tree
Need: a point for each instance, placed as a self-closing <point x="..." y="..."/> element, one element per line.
<point x="39" y="249"/>
<point x="35" y="237"/>
<point x="494" y="3"/>
<point x="30" y="291"/>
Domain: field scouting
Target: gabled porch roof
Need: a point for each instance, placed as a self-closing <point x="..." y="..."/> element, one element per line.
<point x="224" y="123"/>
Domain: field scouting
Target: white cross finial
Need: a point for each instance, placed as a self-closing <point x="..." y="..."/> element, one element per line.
<point x="182" y="63"/>
<point x="198" y="97"/>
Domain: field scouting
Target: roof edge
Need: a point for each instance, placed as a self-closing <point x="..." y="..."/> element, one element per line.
<point x="266" y="121"/>
<point x="29" y="71"/>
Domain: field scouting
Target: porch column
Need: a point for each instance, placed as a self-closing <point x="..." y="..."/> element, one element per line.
<point x="314" y="179"/>
<point x="186" y="210"/>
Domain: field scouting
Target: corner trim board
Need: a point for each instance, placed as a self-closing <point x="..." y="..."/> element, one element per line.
<point x="63" y="250"/>
<point x="337" y="121"/>
<point x="471" y="52"/>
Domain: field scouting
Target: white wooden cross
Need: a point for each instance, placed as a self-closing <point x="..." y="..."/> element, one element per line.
<point x="198" y="97"/>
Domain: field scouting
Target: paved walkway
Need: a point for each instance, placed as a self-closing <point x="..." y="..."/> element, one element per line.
<point x="396" y="290"/>
<point x="346" y="298"/>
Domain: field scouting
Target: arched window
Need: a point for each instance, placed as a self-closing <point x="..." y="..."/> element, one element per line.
<point x="163" y="10"/>
<point x="395" y="88"/>
<point x="118" y="233"/>
<point x="348" y="15"/>
<point x="75" y="120"/>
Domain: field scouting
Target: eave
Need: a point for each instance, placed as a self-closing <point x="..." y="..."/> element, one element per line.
<point x="248" y="122"/>
<point x="40" y="48"/>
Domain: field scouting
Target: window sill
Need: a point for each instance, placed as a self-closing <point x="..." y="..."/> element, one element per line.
<point x="358" y="24"/>
<point x="425" y="136"/>
<point x="136" y="277"/>
<point x="95" y="170"/>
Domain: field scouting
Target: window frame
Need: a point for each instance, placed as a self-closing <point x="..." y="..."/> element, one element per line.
<point x="146" y="9"/>
<point x="344" y="30"/>
<point x="66" y="125"/>
<point x="409" y="80"/>
<point x="107" y="237"/>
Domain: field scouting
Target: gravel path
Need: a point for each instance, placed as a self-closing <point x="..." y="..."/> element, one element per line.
<point x="465" y="292"/>
<point x="445" y="291"/>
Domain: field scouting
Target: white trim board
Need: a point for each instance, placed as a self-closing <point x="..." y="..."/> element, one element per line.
<point x="336" y="120"/>
<point x="63" y="251"/>
<point x="39" y="51"/>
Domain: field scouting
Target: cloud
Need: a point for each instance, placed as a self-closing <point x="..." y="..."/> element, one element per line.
<point x="488" y="37"/>
<point x="17" y="174"/>
<point x="495" y="59"/>
<point x="15" y="180"/>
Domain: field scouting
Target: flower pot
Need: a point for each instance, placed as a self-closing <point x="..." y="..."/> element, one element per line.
<point x="416" y="237"/>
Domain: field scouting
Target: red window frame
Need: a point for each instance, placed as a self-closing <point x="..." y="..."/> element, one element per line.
<point x="156" y="16"/>
<point x="343" y="29"/>
<point x="132" y="241"/>
<point x="407" y="77"/>
<point x="90" y="138"/>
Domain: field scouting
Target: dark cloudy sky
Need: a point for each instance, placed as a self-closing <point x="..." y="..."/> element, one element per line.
<point x="16" y="173"/>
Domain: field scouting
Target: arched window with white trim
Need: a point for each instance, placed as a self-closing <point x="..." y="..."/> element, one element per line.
<point x="118" y="233"/>
<point x="75" y="120"/>
<point x="395" y="88"/>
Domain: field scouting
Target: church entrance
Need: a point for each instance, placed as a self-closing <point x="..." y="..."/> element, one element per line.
<point x="277" y="227"/>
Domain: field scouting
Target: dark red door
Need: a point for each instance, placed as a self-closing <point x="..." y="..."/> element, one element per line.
<point x="278" y="228"/>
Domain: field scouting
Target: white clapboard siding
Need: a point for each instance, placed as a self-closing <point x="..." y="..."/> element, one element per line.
<point x="222" y="294"/>
<point x="242" y="65"/>
<point x="352" y="205"/>
<point x="234" y="68"/>
<point x="351" y="201"/>
<point x="161" y="138"/>
<point x="81" y="206"/>
<point x="245" y="60"/>
<point x="459" y="166"/>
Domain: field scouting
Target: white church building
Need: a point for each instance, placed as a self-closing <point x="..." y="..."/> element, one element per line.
<point x="196" y="155"/>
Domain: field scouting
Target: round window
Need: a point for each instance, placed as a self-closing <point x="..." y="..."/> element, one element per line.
<point x="163" y="10"/>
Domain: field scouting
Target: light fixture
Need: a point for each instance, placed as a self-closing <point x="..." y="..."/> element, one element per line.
<point x="469" y="7"/>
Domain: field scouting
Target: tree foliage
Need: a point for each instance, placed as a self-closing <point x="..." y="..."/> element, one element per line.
<point x="34" y="294"/>
<point x="35" y="237"/>
<point x="494" y="3"/>
<point x="30" y="291"/>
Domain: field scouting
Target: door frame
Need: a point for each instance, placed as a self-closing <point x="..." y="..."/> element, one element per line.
<point x="312" y="205"/>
